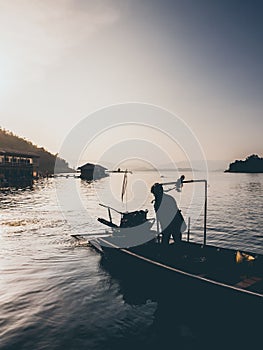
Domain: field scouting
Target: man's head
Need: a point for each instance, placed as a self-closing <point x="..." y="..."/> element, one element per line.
<point x="157" y="189"/>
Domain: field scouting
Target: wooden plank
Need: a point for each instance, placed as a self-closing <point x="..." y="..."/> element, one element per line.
<point x="247" y="282"/>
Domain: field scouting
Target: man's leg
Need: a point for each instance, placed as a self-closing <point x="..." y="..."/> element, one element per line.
<point x="177" y="236"/>
<point x="165" y="237"/>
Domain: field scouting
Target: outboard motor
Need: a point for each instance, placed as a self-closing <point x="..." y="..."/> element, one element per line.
<point x="133" y="218"/>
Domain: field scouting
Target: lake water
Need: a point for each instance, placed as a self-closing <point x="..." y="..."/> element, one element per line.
<point x="56" y="294"/>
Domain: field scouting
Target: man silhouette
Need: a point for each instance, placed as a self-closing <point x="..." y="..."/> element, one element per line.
<point x="168" y="214"/>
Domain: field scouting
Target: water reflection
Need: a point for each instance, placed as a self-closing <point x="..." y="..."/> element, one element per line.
<point x="250" y="187"/>
<point x="15" y="190"/>
<point x="254" y="187"/>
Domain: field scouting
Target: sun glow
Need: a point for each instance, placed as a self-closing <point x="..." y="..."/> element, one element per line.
<point x="5" y="75"/>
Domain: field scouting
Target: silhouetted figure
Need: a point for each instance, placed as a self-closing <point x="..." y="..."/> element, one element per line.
<point x="168" y="215"/>
<point x="179" y="183"/>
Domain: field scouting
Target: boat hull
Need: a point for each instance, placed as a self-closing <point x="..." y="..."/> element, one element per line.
<point x="190" y="264"/>
<point x="218" y="317"/>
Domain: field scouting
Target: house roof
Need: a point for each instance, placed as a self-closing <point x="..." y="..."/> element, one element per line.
<point x="90" y="166"/>
<point x="12" y="152"/>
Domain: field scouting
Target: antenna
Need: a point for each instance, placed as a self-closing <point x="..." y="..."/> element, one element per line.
<point x="124" y="183"/>
<point x="124" y="187"/>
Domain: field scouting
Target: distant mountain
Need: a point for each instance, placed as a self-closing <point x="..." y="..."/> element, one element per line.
<point x="47" y="160"/>
<point x="252" y="164"/>
<point x="135" y="165"/>
<point x="212" y="165"/>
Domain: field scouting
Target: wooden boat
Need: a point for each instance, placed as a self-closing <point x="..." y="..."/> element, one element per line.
<point x="206" y="265"/>
<point x="216" y="293"/>
<point x="215" y="268"/>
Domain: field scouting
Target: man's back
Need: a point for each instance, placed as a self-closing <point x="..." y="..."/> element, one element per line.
<point x="167" y="211"/>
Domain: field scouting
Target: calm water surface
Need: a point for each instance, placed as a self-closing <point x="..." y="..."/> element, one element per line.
<point x="56" y="294"/>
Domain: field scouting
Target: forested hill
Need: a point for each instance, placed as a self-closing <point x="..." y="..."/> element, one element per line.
<point x="252" y="164"/>
<point x="47" y="160"/>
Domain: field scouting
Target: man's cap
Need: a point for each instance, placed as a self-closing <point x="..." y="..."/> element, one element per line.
<point x="157" y="188"/>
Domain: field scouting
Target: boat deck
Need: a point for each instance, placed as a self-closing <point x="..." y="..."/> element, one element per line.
<point x="208" y="264"/>
<point x="211" y="263"/>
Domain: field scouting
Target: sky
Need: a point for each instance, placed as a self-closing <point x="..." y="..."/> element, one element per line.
<point x="62" y="61"/>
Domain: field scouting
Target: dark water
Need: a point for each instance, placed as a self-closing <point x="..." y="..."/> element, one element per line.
<point x="56" y="294"/>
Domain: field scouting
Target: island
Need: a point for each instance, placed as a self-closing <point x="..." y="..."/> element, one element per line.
<point x="252" y="164"/>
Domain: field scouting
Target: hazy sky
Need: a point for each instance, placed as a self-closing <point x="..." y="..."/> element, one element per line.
<point x="200" y="59"/>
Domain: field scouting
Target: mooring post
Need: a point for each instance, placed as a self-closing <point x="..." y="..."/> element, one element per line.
<point x="188" y="231"/>
<point x="205" y="212"/>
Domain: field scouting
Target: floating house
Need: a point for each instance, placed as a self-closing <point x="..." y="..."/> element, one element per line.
<point x="17" y="168"/>
<point x="91" y="171"/>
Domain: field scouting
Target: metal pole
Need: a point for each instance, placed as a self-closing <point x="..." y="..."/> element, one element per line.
<point x="205" y="212"/>
<point x="109" y="215"/>
<point x="205" y="205"/>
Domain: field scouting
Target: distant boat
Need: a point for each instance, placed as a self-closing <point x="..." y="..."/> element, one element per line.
<point x="119" y="171"/>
